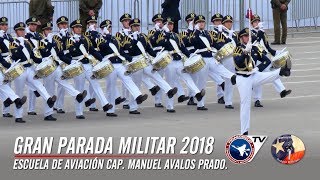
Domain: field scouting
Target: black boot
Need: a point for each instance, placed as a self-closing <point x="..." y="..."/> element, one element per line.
<point x="171" y="110"/>
<point x="200" y="95"/>
<point x="246" y="133"/>
<point x="285" y="93"/>
<point x="182" y="98"/>
<point x="202" y="108"/>
<point x="126" y="106"/>
<point x="158" y="105"/>
<point x="191" y="102"/>
<point x="50" y="118"/>
<point x="19" y="102"/>
<point x="172" y="92"/>
<point x="286" y="70"/>
<point x="120" y="100"/>
<point x="107" y="107"/>
<point x="81" y="96"/>
<point x="141" y="98"/>
<point x="229" y="107"/>
<point x="154" y="90"/>
<point x="7" y="102"/>
<point x="258" y="104"/>
<point x="36" y="93"/>
<point x="89" y="102"/>
<point x="7" y="115"/>
<point x="80" y="117"/>
<point x="20" y="120"/>
<point x="222" y="86"/>
<point x="51" y="101"/>
<point x="112" y="115"/>
<point x="134" y="112"/>
<point x="221" y="100"/>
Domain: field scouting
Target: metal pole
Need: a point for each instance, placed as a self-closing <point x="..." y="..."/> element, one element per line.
<point x="241" y="19"/>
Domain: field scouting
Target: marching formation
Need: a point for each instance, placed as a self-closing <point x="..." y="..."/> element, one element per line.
<point x="161" y="60"/>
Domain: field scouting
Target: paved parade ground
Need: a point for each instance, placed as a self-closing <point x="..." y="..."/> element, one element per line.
<point x="298" y="114"/>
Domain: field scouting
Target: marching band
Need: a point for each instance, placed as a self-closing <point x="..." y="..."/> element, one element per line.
<point x="160" y="59"/>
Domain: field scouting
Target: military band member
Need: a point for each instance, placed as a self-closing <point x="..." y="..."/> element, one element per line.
<point x="5" y="40"/>
<point x="33" y="37"/>
<point x="106" y="45"/>
<point x="81" y="49"/>
<point x="259" y="37"/>
<point x="250" y="76"/>
<point x="131" y="43"/>
<point x="173" y="43"/>
<point x="216" y="20"/>
<point x="51" y="50"/>
<point x="21" y="49"/>
<point x="202" y="41"/>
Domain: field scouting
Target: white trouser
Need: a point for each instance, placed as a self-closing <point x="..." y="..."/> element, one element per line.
<point x="27" y="77"/>
<point x="91" y="95"/>
<point x="80" y="86"/>
<point x="147" y="82"/>
<point x="60" y="97"/>
<point x="181" y="91"/>
<point x="137" y="79"/>
<point x="200" y="78"/>
<point x="6" y="91"/>
<point x="31" y="98"/>
<point x="6" y="110"/>
<point x="157" y="78"/>
<point x="49" y="84"/>
<point x="111" y="81"/>
<point x="125" y="94"/>
<point x="195" y="79"/>
<point x="228" y="87"/>
<point x="173" y="71"/>
<point x="278" y="85"/>
<point x="218" y="80"/>
<point x="158" y="96"/>
<point x="245" y="85"/>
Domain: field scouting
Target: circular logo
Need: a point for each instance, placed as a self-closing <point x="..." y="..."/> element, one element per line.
<point x="239" y="149"/>
<point x="287" y="149"/>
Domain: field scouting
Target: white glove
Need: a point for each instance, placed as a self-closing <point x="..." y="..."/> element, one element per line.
<point x="126" y="31"/>
<point x="248" y="47"/>
<point x="135" y="35"/>
<point x="50" y="37"/>
<point x="92" y="27"/>
<point x="21" y="40"/>
<point x="157" y="26"/>
<point x="231" y="33"/>
<point x="63" y="32"/>
<point x="27" y="30"/>
<point x="196" y="27"/>
<point x="260" y="25"/>
<point x="76" y="37"/>
<point x="220" y="27"/>
<point x="165" y="28"/>
<point x="191" y="25"/>
<point x="105" y="31"/>
<point x="1" y="33"/>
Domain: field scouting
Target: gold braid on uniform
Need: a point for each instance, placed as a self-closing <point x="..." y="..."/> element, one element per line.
<point x="99" y="41"/>
<point x="151" y="33"/>
<point x="146" y="39"/>
<point x="238" y="52"/>
<point x="126" y="40"/>
<point x="119" y="38"/>
<point x="69" y="43"/>
<point x="160" y="38"/>
<point x="58" y="42"/>
<point x="221" y="38"/>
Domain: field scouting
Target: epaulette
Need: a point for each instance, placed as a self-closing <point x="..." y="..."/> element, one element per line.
<point x="99" y="41"/>
<point x="118" y="36"/>
<point x="183" y="34"/>
<point x="126" y="40"/>
<point x="69" y="43"/>
<point x="237" y="51"/>
<point x="87" y="34"/>
<point x="42" y="45"/>
<point x="88" y="41"/>
<point x="151" y="33"/>
<point x="57" y="38"/>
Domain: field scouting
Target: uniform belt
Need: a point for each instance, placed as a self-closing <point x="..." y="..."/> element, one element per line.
<point x="242" y="72"/>
<point x="29" y="61"/>
<point x="5" y="54"/>
<point x="157" y="48"/>
<point x="109" y="56"/>
<point x="190" y="48"/>
<point x="205" y="50"/>
<point x="78" y="57"/>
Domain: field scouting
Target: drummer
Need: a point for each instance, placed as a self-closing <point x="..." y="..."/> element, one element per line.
<point x="74" y="45"/>
<point x="202" y="42"/>
<point x="172" y="43"/>
<point x="131" y="43"/>
<point x="51" y="50"/>
<point x="21" y="49"/>
<point x="216" y="20"/>
<point x="185" y="37"/>
<point x="117" y="58"/>
<point x="7" y="95"/>
<point x="259" y="37"/>
<point x="249" y="76"/>
<point x="33" y="37"/>
<point x="5" y="39"/>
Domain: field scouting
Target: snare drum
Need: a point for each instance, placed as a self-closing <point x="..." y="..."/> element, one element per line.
<point x="138" y="63"/>
<point x="162" y="60"/>
<point x="102" y="69"/>
<point x="225" y="51"/>
<point x="194" y="64"/>
<point x="46" y="68"/>
<point x="14" y="72"/>
<point x="281" y="60"/>
<point x="73" y="70"/>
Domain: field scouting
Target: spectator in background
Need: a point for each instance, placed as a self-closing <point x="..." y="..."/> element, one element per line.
<point x="279" y="9"/>
<point x="171" y="9"/>
<point x="87" y="9"/>
<point x="42" y="10"/>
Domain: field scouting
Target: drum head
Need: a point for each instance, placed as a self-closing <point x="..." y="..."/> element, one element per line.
<point x="192" y="60"/>
<point x="101" y="65"/>
<point x="137" y="58"/>
<point x="43" y="65"/>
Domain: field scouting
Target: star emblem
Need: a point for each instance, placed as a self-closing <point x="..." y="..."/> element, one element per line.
<point x="278" y="146"/>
